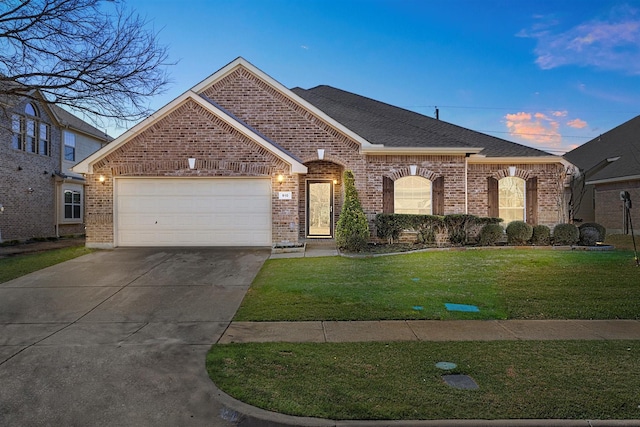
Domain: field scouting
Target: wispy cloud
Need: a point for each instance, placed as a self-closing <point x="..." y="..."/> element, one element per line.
<point x="537" y="128"/>
<point x="577" y="124"/>
<point x="543" y="130"/>
<point x="611" y="43"/>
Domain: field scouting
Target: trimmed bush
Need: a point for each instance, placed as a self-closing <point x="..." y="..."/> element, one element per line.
<point x="390" y="226"/>
<point x="518" y="233"/>
<point x="589" y="240"/>
<point x="541" y="235"/>
<point x="457" y="226"/>
<point x="490" y="234"/>
<point x="565" y="234"/>
<point x="589" y="236"/>
<point x="352" y="229"/>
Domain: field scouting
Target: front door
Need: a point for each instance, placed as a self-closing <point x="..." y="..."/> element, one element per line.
<point x="320" y="208"/>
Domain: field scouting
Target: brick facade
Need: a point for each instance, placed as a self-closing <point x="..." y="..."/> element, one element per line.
<point x="27" y="184"/>
<point x="550" y="200"/>
<point x="190" y="130"/>
<point x="609" y="207"/>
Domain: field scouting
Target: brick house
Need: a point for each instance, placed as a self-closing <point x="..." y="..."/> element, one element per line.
<point x="39" y="195"/>
<point x="608" y="165"/>
<point x="239" y="159"/>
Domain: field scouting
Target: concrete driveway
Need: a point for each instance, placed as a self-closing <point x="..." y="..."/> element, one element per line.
<point x="119" y="338"/>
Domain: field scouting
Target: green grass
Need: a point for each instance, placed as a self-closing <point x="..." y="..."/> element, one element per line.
<point x="511" y="283"/>
<point x="19" y="265"/>
<point x="517" y="379"/>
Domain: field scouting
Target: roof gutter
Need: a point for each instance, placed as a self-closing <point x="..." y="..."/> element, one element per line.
<point x="614" y="180"/>
<point x="381" y="150"/>
<point x="520" y="159"/>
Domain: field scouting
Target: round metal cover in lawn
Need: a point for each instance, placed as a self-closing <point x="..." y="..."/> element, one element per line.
<point x="446" y="366"/>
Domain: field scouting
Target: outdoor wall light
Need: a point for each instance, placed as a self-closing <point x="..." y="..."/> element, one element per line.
<point x="280" y="178"/>
<point x="1" y="209"/>
<point x="512" y="171"/>
<point x="335" y="182"/>
<point x="413" y="169"/>
<point x="192" y="163"/>
<point x="101" y="178"/>
<point x="320" y="154"/>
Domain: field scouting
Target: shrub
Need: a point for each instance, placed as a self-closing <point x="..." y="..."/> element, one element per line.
<point x="390" y="226"/>
<point x="352" y="229"/>
<point x="589" y="236"/>
<point x="602" y="232"/>
<point x="565" y="234"/>
<point x="541" y="235"/>
<point x="457" y="226"/>
<point x="490" y="234"/>
<point x="518" y="233"/>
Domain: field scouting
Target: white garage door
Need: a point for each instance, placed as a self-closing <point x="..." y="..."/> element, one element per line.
<point x="193" y="212"/>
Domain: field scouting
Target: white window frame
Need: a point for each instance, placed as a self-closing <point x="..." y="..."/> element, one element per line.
<point x="73" y="191"/>
<point x="400" y="199"/>
<point x="69" y="142"/>
<point x="522" y="208"/>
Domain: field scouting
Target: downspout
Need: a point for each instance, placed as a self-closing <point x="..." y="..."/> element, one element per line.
<point x="466" y="185"/>
<point x="56" y="208"/>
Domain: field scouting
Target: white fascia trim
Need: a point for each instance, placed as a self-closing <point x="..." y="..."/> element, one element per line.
<point x="614" y="180"/>
<point x="241" y="62"/>
<point x="381" y="150"/>
<point x="86" y="166"/>
<point x="519" y="160"/>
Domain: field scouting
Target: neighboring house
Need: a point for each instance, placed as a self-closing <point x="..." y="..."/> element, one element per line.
<point x="240" y="159"/>
<point x="39" y="195"/>
<point x="608" y="165"/>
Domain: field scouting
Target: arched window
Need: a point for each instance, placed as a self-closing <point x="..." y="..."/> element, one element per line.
<point x="31" y="110"/>
<point x="412" y="195"/>
<point x="30" y="134"/>
<point x="511" y="199"/>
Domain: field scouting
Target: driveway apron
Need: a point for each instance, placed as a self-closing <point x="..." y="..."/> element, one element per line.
<point x="119" y="338"/>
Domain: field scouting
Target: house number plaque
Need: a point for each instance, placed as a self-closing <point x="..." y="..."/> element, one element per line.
<point x="284" y="195"/>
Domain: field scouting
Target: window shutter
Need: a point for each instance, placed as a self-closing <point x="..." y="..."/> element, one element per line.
<point x="437" y="187"/>
<point x="387" y="195"/>
<point x="493" y="206"/>
<point x="531" y="201"/>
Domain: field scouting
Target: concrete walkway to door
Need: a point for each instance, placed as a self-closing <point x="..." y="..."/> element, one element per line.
<point x="120" y="337"/>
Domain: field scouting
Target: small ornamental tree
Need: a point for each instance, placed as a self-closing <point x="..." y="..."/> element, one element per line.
<point x="352" y="229"/>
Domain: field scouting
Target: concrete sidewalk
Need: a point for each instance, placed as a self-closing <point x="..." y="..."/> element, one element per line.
<point x="431" y="330"/>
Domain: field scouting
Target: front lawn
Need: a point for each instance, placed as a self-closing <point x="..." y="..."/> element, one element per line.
<point x="399" y="380"/>
<point x="502" y="283"/>
<point x="19" y="265"/>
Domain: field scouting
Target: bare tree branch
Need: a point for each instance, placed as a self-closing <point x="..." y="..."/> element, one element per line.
<point x="92" y="56"/>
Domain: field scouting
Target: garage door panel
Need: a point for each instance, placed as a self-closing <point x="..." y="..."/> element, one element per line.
<point x="193" y="212"/>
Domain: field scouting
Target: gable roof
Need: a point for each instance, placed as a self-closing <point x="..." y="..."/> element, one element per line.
<point x="62" y="117"/>
<point x="395" y="127"/>
<point x="66" y="119"/>
<point x="613" y="156"/>
<point x="86" y="166"/>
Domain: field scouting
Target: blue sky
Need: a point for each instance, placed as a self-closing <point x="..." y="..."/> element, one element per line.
<point x="548" y="74"/>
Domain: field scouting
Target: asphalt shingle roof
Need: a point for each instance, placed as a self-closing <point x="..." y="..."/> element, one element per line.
<point x="622" y="141"/>
<point x="68" y="119"/>
<point x="381" y="123"/>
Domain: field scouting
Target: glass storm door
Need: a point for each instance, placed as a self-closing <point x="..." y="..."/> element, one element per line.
<point x="319" y="208"/>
